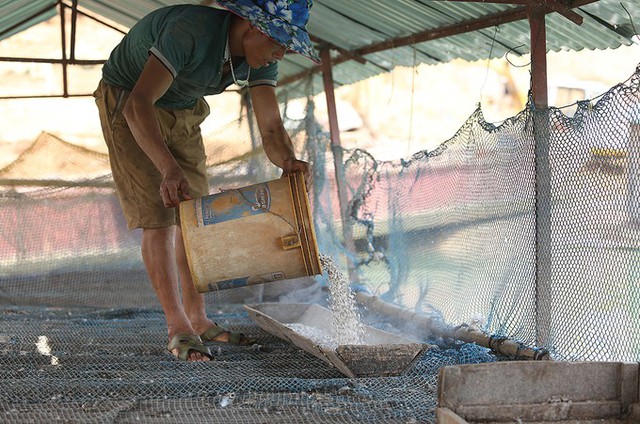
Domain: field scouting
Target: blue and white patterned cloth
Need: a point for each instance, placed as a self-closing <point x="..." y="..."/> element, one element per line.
<point x="284" y="21"/>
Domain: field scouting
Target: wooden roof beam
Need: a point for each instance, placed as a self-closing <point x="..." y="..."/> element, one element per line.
<point x="561" y="8"/>
<point x="517" y="14"/>
<point x="93" y="18"/>
<point x="432" y="34"/>
<point x="324" y="45"/>
<point x="523" y="2"/>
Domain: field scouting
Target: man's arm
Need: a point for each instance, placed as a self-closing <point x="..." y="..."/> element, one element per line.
<point x="140" y="114"/>
<point x="275" y="139"/>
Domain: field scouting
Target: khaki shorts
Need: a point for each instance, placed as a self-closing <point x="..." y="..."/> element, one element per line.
<point x="136" y="178"/>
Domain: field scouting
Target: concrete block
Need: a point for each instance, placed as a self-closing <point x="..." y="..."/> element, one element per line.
<point x="539" y="392"/>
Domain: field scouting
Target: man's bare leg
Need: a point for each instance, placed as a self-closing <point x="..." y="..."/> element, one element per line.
<point x="192" y="300"/>
<point x="158" y="254"/>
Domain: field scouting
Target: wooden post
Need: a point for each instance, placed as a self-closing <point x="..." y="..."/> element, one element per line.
<point x="336" y="148"/>
<point x="538" y="56"/>
<point x="633" y="166"/>
<point x="541" y="129"/>
<point x="74" y="22"/>
<point x="63" y="36"/>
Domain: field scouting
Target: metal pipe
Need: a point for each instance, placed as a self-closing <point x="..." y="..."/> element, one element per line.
<point x="336" y="148"/>
<point x="63" y="36"/>
<point x="74" y="19"/>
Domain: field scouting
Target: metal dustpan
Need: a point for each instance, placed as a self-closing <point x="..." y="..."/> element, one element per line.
<point x="381" y="354"/>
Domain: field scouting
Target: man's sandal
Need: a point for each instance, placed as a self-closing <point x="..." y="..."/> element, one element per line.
<point x="187" y="343"/>
<point x="238" y="339"/>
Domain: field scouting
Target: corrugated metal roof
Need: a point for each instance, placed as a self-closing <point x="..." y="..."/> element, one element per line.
<point x="354" y="25"/>
<point x="18" y="15"/>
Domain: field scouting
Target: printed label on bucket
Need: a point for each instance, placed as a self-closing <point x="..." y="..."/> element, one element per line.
<point x="233" y="204"/>
<point x="247" y="281"/>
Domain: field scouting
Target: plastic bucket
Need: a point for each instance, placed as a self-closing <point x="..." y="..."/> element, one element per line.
<point x="251" y="235"/>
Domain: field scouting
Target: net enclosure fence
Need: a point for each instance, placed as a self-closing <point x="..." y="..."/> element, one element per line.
<point x="528" y="231"/>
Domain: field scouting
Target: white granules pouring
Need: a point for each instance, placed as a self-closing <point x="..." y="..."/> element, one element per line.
<point x="347" y="327"/>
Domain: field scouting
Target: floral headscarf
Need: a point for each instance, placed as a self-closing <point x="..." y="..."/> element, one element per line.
<point x="284" y="21"/>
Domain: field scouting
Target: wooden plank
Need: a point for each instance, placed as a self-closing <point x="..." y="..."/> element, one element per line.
<point x="506" y="383"/>
<point x="629" y="380"/>
<point x="547" y="412"/>
<point x="283" y="332"/>
<point x="447" y="416"/>
<point x="541" y="391"/>
<point x="378" y="360"/>
<point x="381" y="354"/>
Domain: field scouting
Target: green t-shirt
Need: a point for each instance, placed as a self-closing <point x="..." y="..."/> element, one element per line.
<point x="191" y="41"/>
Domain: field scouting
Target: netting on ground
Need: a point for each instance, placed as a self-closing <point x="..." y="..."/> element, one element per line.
<point x="109" y="365"/>
<point x="529" y="230"/>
